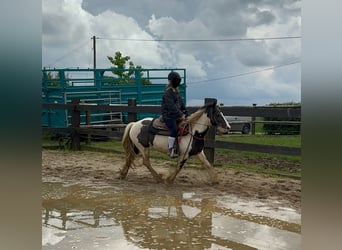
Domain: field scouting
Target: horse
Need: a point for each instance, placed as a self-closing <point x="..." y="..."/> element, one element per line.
<point x="138" y="138"/>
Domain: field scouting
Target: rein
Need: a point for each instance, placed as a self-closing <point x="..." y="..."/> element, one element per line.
<point x="200" y="135"/>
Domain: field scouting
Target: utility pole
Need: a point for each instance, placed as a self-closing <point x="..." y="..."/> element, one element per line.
<point x="94" y="50"/>
<point x="94" y="55"/>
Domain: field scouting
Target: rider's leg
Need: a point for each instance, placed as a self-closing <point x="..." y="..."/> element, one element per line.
<point x="172" y="125"/>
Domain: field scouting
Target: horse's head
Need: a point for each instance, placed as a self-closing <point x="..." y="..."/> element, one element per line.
<point x="217" y="118"/>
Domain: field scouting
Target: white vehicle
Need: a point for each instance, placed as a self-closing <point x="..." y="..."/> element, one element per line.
<point x="240" y="123"/>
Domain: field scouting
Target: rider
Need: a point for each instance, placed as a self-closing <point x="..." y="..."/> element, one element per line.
<point x="173" y="109"/>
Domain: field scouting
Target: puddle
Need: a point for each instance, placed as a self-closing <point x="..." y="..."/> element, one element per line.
<point x="106" y="217"/>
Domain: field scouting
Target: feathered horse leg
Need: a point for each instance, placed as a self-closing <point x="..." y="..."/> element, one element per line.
<point x="171" y="178"/>
<point x="210" y="168"/>
<point x="129" y="151"/>
<point x="146" y="162"/>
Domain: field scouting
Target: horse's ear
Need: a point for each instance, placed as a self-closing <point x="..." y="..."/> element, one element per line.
<point x="211" y="102"/>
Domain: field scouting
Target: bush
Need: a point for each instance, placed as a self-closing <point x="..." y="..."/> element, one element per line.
<point x="282" y="129"/>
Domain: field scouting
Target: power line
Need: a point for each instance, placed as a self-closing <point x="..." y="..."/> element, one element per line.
<point x="246" y="73"/>
<point x="200" y="40"/>
<point x="68" y="53"/>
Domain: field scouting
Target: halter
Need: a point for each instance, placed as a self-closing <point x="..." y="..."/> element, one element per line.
<point x="212" y="117"/>
<point x="200" y="135"/>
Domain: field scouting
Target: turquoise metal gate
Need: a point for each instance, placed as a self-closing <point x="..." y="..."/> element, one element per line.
<point x="103" y="86"/>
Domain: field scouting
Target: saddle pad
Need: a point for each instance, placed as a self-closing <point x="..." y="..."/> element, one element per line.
<point x="158" y="124"/>
<point x="159" y="128"/>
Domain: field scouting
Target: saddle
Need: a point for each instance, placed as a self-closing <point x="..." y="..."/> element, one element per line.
<point x="158" y="127"/>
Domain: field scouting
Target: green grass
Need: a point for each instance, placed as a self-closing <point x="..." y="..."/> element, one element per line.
<point x="194" y="161"/>
<point x="291" y="141"/>
<point x="276" y="140"/>
<point x="269" y="172"/>
<point x="236" y="153"/>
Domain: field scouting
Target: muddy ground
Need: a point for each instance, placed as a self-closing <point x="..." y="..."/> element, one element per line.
<point x="89" y="168"/>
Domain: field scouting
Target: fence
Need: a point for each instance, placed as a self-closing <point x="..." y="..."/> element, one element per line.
<point x="132" y="109"/>
<point x="110" y="86"/>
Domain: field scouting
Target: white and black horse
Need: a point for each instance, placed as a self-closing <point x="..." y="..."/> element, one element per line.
<point x="140" y="136"/>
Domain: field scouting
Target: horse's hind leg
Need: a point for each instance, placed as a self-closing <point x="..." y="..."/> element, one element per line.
<point x="128" y="163"/>
<point x="146" y="162"/>
<point x="210" y="168"/>
<point x="124" y="172"/>
<point x="171" y="178"/>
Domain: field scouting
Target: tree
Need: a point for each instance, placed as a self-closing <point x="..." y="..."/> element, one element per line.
<point x="120" y="69"/>
<point x="54" y="80"/>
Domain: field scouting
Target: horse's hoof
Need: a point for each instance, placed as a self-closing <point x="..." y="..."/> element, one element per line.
<point x="159" y="178"/>
<point x="121" y="177"/>
<point x="213" y="183"/>
<point x="168" y="181"/>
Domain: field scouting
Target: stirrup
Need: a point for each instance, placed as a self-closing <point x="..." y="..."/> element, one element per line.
<point x="173" y="153"/>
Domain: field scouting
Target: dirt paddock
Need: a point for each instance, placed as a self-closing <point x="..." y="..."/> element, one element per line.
<point x="89" y="168"/>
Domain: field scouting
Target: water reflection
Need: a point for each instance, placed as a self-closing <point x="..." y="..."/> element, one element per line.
<point x="110" y="218"/>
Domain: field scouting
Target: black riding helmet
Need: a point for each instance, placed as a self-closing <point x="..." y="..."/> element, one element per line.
<point x="175" y="79"/>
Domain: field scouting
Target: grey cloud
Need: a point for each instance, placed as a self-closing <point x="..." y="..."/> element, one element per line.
<point x="53" y="33"/>
<point x="143" y="10"/>
<point x="264" y="17"/>
<point x="253" y="54"/>
<point x="53" y="24"/>
<point x="224" y="18"/>
<point x="198" y="19"/>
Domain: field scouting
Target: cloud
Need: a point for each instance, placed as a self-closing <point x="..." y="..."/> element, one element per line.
<point x="254" y="54"/>
<point x="68" y="26"/>
<point x="64" y="21"/>
<point x="142" y="10"/>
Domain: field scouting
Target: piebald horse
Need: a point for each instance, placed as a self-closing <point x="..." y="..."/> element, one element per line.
<point x="138" y="138"/>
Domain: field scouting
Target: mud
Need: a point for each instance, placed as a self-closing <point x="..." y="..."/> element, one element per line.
<point x="85" y="206"/>
<point x="94" y="167"/>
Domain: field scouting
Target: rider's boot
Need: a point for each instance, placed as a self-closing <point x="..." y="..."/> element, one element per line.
<point x="172" y="150"/>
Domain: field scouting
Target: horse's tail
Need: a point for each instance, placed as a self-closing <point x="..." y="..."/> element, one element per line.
<point x="129" y="147"/>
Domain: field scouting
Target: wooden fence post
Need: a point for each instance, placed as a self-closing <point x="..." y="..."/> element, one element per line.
<point x="88" y="122"/>
<point x="132" y="117"/>
<point x="88" y="115"/>
<point x="76" y="120"/>
<point x="209" y="151"/>
<point x="253" y="119"/>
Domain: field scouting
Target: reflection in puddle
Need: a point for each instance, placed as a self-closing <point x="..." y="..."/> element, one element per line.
<point x="79" y="217"/>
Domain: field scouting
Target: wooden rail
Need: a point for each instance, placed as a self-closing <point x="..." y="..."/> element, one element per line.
<point x="76" y="130"/>
<point x="279" y="112"/>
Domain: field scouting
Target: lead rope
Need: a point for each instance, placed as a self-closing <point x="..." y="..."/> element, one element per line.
<point x="193" y="136"/>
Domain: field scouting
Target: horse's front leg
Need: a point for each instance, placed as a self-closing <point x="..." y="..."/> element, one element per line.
<point x="171" y="178"/>
<point x="146" y="162"/>
<point x="210" y="168"/>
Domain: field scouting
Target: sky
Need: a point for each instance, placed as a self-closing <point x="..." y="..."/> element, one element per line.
<point x="253" y="54"/>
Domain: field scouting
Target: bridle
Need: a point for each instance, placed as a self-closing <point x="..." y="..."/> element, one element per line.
<point x="200" y="136"/>
<point x="213" y="122"/>
<point x="214" y="112"/>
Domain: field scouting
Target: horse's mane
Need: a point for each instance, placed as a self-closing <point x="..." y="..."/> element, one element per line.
<point x="195" y="116"/>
